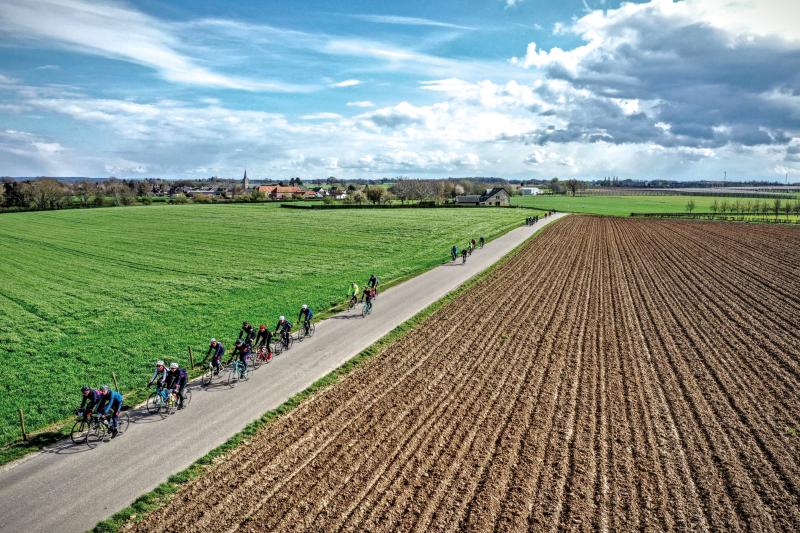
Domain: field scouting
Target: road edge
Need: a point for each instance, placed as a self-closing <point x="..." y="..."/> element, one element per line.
<point x="161" y="495"/>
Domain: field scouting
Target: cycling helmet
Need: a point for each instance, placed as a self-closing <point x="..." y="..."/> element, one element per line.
<point x="213" y="340"/>
<point x="305" y="306"/>
<point x="173" y="366"/>
<point x="159" y="363"/>
<point x="239" y="342"/>
<point x="262" y="327"/>
<point x="245" y="324"/>
<point x="85" y="388"/>
<point x="282" y="318"/>
<point x="105" y="388"/>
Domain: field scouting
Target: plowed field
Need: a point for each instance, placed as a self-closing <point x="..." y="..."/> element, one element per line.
<point x="614" y="375"/>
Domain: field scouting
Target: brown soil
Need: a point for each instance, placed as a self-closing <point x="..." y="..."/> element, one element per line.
<point x="614" y="375"/>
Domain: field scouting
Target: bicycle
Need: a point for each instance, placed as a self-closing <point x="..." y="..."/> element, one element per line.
<point x="212" y="374"/>
<point x="261" y="356"/>
<point x="366" y="309"/>
<point x="306" y="330"/>
<point x="173" y="400"/>
<point x="157" y="401"/>
<point x="236" y="371"/>
<point x="353" y="301"/>
<point x="283" y="343"/>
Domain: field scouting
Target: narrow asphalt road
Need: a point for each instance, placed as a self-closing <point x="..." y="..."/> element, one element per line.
<point x="70" y="488"/>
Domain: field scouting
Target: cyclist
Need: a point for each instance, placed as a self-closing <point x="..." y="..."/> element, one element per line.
<point x="263" y="339"/>
<point x="248" y="332"/>
<point x="241" y="352"/>
<point x="109" y="407"/>
<point x="464" y="255"/>
<point x="159" y="375"/>
<point x="353" y="293"/>
<point x="176" y="382"/>
<point x="453" y="252"/>
<point x="305" y="316"/>
<point x="481" y="241"/>
<point x="369" y="295"/>
<point x="373" y="281"/>
<point x="284" y="327"/>
<point x="472" y="242"/>
<point x="91" y="397"/>
<point x="216" y="350"/>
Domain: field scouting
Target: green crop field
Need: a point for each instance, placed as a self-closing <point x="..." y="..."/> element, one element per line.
<point x="623" y="205"/>
<point x="87" y="292"/>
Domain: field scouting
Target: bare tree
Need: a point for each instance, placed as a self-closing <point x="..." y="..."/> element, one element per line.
<point x="776" y="207"/>
<point x="574" y="186"/>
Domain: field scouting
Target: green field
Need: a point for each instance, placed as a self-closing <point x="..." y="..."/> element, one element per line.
<point x="87" y="292"/>
<point x="623" y="205"/>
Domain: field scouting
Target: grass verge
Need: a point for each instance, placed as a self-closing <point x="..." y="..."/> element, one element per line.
<point x="159" y="496"/>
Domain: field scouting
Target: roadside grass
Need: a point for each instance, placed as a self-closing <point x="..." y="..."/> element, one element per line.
<point x="161" y="495"/>
<point x="623" y="206"/>
<point x="85" y="293"/>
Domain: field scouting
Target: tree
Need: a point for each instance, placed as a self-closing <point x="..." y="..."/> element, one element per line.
<point x="358" y="198"/>
<point x="723" y="207"/>
<point x="374" y="194"/>
<point x="776" y="207"/>
<point x="85" y="190"/>
<point x="573" y="185"/>
<point x="557" y="187"/>
<point x="45" y="193"/>
<point x="714" y="206"/>
<point x="690" y="206"/>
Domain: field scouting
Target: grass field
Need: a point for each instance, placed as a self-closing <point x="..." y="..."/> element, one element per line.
<point x="621" y="205"/>
<point x="87" y="292"/>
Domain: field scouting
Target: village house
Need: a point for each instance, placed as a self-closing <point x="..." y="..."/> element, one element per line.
<point x="497" y="196"/>
<point x="530" y="191"/>
<point x="278" y="192"/>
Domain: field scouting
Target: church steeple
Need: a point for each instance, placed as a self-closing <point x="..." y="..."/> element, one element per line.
<point x="245" y="181"/>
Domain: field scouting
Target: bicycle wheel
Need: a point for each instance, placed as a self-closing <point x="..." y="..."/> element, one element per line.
<point x="123" y="421"/>
<point x="80" y="431"/>
<point x="289" y="341"/>
<point x="257" y="358"/>
<point x="172" y="404"/>
<point x="208" y="377"/>
<point x="154" y="403"/>
<point x="277" y="347"/>
<point x="98" y="432"/>
<point x="311" y="329"/>
<point x="233" y="375"/>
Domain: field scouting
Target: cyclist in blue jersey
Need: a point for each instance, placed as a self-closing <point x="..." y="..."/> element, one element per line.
<point x="283" y="327"/>
<point x="109" y="407"/>
<point x="305" y="316"/>
<point x="216" y="350"/>
<point x="91" y="397"/>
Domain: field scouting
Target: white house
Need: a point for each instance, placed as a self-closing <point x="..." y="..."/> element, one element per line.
<point x="530" y="191"/>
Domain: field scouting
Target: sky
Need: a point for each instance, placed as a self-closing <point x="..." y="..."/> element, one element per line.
<point x="686" y="89"/>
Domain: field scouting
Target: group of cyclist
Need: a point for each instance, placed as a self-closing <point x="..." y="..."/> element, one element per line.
<point x="466" y="250"/>
<point x="367" y="295"/>
<point x="174" y="379"/>
<point x="104" y="402"/>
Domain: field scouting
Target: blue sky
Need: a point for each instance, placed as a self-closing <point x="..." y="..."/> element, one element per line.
<point x="525" y="88"/>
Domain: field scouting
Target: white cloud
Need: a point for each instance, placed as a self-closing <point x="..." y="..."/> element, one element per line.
<point x="512" y="3"/>
<point x="321" y="116"/>
<point x="113" y="30"/>
<point x="410" y="21"/>
<point x="361" y="103"/>
<point x="346" y="83"/>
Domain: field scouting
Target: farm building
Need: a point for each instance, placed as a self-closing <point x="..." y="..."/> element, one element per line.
<point x="530" y="191"/>
<point x="494" y="197"/>
<point x="277" y="192"/>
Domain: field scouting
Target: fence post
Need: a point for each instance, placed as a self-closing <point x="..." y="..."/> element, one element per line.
<point x="114" y="377"/>
<point x="22" y="424"/>
<point x="191" y="357"/>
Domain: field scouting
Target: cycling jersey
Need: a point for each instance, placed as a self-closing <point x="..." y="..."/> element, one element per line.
<point x="307" y="313"/>
<point x="373" y="281"/>
<point x="241" y="351"/>
<point x="159" y="376"/>
<point x="111" y="402"/>
<point x="218" y="351"/>
<point x="176" y="378"/>
<point x="247" y="333"/>
<point x="264" y="337"/>
<point x="91" y="400"/>
<point x="284" y="326"/>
